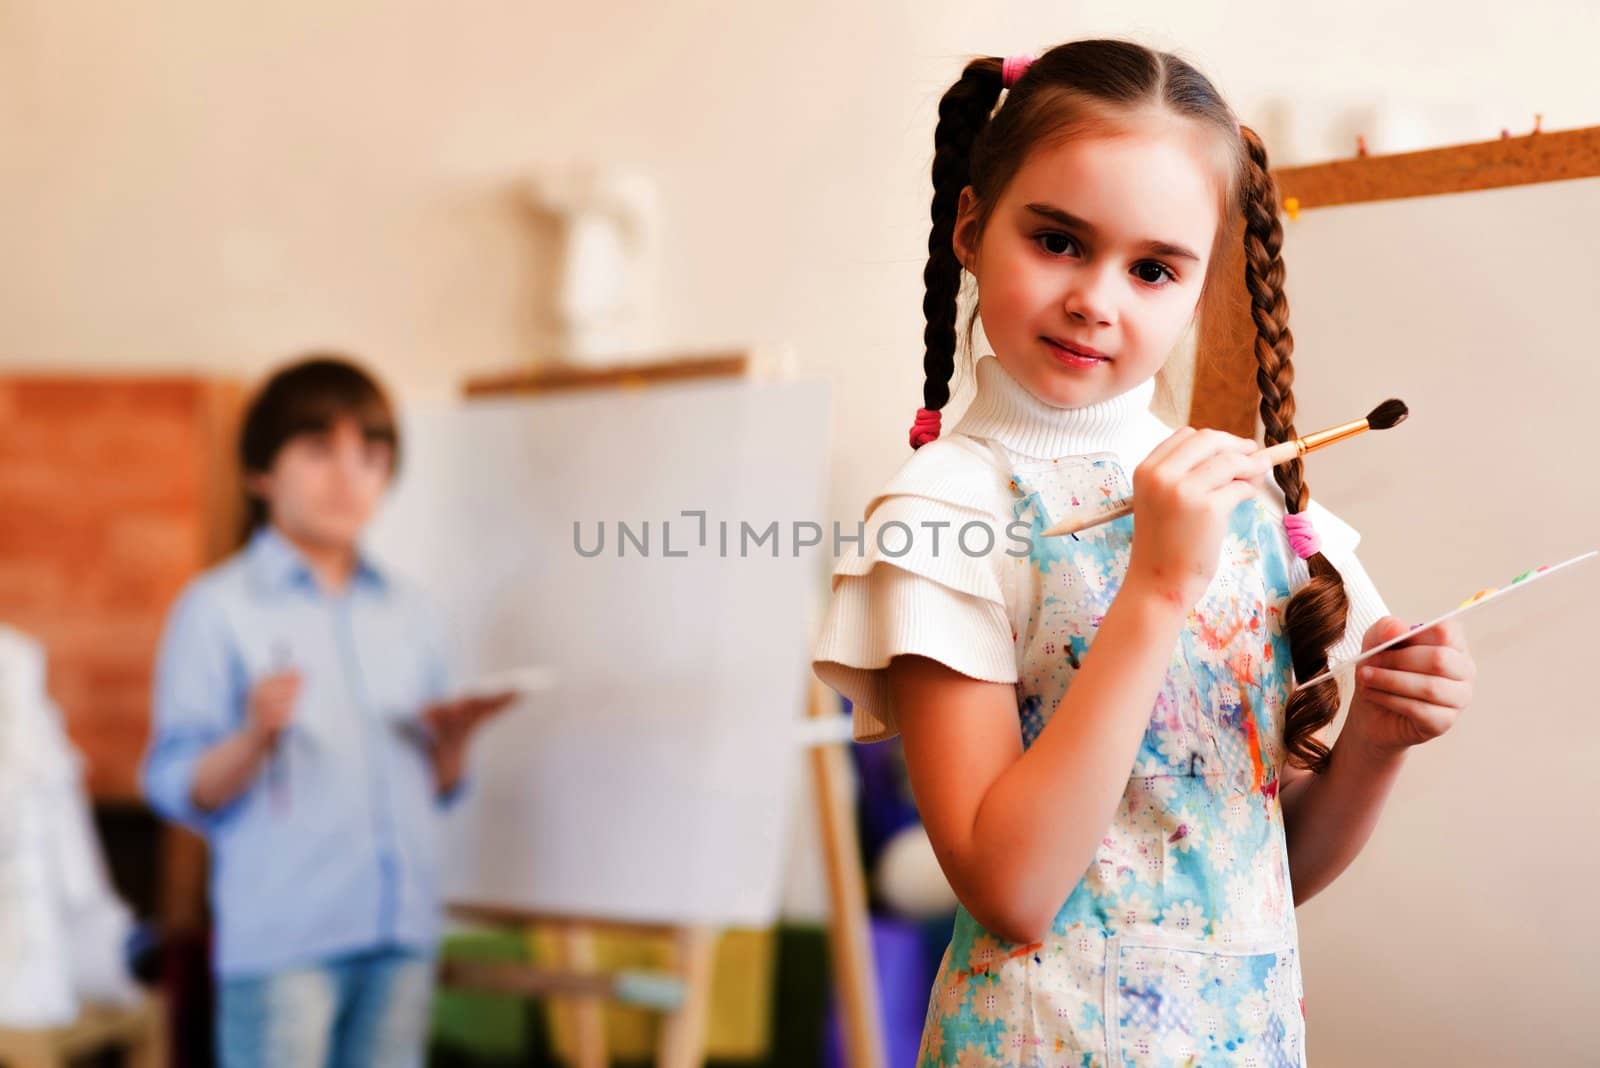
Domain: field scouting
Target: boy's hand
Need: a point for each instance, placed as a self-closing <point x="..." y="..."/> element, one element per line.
<point x="271" y="706"/>
<point x="1413" y="692"/>
<point x="451" y="723"/>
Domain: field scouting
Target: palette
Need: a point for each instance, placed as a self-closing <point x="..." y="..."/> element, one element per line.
<point x="1482" y="597"/>
<point x="520" y="681"/>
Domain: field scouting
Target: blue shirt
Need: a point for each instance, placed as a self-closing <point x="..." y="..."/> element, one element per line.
<point x="334" y="847"/>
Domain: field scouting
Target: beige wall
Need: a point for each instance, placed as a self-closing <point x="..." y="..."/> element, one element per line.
<point x="215" y="185"/>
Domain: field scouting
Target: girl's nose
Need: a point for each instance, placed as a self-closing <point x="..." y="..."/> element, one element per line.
<point x="1088" y="300"/>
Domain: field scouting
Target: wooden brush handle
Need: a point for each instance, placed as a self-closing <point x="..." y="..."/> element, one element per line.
<point x="1074" y="523"/>
<point x="1277" y="454"/>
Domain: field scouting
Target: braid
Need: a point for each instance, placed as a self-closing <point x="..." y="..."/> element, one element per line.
<point x="1315" y="616"/>
<point x="963" y="113"/>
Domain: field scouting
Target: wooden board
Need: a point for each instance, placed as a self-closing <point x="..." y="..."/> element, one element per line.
<point x="1443" y="278"/>
<point x="1225" y="394"/>
<point x="555" y="378"/>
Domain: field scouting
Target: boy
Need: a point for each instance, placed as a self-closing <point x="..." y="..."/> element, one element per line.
<point x="301" y="727"/>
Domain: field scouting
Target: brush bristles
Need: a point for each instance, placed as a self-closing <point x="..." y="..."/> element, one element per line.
<point x="1388" y="414"/>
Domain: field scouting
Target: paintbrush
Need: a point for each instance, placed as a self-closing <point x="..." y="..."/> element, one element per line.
<point x="277" y="768"/>
<point x="1388" y="414"/>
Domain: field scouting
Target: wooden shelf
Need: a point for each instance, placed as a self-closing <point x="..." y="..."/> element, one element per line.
<point x="556" y="379"/>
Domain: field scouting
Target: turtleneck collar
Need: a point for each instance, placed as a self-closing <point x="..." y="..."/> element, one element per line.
<point x="1005" y="412"/>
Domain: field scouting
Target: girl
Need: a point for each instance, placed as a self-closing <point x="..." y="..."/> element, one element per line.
<point x="293" y="683"/>
<point x="1098" y="730"/>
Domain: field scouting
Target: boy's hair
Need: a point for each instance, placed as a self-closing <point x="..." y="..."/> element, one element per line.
<point x="1098" y="87"/>
<point x="308" y="396"/>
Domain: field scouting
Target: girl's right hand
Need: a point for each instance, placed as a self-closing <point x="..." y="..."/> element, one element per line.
<point x="1183" y="496"/>
<point x="271" y="707"/>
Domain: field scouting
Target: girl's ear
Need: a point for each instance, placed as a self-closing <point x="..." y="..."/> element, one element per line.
<point x="964" y="238"/>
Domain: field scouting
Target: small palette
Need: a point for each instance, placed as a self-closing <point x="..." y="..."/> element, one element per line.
<point x="1483" y="596"/>
<point x="520" y="681"/>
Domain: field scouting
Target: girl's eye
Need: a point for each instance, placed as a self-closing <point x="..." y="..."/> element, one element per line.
<point x="1056" y="243"/>
<point x="1153" y="273"/>
<point x="1150" y="272"/>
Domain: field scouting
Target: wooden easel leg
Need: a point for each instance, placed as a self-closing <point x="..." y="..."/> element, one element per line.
<point x="23" y="1049"/>
<point x="849" y="932"/>
<point x="575" y="949"/>
<point x="149" y="1048"/>
<point x="683" y="1033"/>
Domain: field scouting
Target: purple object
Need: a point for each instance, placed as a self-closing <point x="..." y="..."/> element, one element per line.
<point x="884" y="805"/>
<point x="907" y="954"/>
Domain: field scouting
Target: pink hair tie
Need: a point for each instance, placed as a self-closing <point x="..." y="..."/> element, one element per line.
<point x="925" y="429"/>
<point x="1013" y="68"/>
<point x="1303" y="538"/>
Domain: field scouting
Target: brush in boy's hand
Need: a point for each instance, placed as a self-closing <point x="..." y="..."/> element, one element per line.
<point x="277" y="769"/>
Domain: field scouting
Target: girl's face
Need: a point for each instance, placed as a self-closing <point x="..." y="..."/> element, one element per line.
<point x="325" y="484"/>
<point x="1090" y="267"/>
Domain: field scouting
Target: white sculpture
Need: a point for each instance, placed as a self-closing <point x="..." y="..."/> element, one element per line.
<point x="606" y="221"/>
<point x="62" y="927"/>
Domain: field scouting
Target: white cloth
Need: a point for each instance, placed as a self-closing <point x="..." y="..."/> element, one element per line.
<point x="962" y="609"/>
<point x="62" y="928"/>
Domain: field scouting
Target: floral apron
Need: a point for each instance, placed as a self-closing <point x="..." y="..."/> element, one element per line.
<point x="1178" y="946"/>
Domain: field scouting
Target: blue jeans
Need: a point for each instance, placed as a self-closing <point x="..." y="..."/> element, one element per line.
<point x="370" y="1010"/>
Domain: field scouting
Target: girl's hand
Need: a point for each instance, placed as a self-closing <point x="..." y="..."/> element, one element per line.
<point x="1183" y="496"/>
<point x="1414" y="692"/>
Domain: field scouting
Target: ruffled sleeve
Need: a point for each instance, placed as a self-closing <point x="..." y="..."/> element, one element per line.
<point x="927" y="579"/>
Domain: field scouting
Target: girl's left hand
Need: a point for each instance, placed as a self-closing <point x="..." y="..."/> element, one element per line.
<point x="1414" y="692"/>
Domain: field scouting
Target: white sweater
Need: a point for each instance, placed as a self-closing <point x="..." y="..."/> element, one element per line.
<point x="957" y="607"/>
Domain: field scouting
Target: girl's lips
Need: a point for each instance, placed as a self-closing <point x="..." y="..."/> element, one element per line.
<point x="1075" y="355"/>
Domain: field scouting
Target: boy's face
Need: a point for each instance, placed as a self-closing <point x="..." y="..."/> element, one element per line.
<point x="325" y="484"/>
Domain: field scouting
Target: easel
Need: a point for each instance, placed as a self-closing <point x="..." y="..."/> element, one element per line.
<point x="681" y="993"/>
<point x="1225" y="392"/>
<point x="139" y="1031"/>
<point x="1417" y="190"/>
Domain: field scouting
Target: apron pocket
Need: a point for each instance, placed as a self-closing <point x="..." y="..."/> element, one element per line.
<point x="1172" y="1001"/>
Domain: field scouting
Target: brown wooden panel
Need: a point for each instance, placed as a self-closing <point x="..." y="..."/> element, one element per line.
<point x="113" y="491"/>
<point x="1540" y="157"/>
<point x="1225" y="394"/>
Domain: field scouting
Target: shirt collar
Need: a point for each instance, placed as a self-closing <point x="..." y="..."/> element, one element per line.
<point x="1004" y="411"/>
<point x="276" y="564"/>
